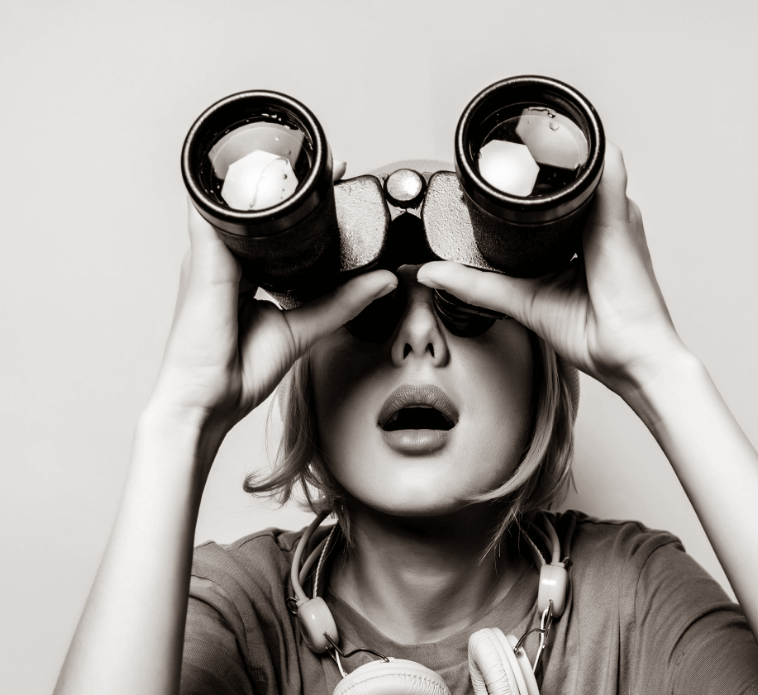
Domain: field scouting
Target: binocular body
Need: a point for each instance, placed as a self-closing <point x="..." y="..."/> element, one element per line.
<point x="314" y="238"/>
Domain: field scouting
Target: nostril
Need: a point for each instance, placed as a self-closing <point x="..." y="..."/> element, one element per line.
<point x="408" y="349"/>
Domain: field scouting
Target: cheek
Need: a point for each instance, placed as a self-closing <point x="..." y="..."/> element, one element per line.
<point x="490" y="378"/>
<point x="344" y="373"/>
<point x="499" y="373"/>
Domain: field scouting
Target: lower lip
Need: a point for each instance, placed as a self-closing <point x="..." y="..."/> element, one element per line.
<point x="415" y="442"/>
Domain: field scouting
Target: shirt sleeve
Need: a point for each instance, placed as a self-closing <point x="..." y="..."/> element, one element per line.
<point x="212" y="663"/>
<point x="689" y="638"/>
<point x="240" y="637"/>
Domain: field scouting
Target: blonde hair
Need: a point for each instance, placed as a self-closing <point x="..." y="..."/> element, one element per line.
<point x="540" y="480"/>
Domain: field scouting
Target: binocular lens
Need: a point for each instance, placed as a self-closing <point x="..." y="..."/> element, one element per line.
<point x="528" y="157"/>
<point x="535" y="153"/>
<point x="258" y="164"/>
<point x="258" y="168"/>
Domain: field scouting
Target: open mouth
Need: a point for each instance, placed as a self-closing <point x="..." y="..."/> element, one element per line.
<point x="418" y="417"/>
<point x="418" y="407"/>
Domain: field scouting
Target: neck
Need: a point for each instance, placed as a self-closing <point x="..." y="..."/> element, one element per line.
<point x="420" y="580"/>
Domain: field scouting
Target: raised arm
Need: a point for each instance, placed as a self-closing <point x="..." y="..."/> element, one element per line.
<point x="225" y="354"/>
<point x="608" y="318"/>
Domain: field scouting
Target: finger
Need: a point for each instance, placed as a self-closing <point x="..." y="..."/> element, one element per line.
<point x="311" y="322"/>
<point x="211" y="259"/>
<point x="200" y="230"/>
<point x="511" y="296"/>
<point x="184" y="272"/>
<point x="339" y="169"/>
<point x="635" y="214"/>
<point x="611" y="207"/>
<point x="209" y="281"/>
<point x="611" y="204"/>
<point x="614" y="238"/>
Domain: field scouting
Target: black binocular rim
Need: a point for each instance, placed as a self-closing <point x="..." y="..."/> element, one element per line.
<point x="528" y="90"/>
<point x="220" y="118"/>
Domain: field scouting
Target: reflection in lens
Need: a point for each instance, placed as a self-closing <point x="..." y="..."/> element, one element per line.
<point x="536" y="153"/>
<point x="258" y="165"/>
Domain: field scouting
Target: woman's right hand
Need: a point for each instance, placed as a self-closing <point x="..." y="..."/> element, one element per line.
<point x="227" y="351"/>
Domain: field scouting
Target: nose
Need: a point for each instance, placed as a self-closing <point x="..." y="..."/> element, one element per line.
<point x="419" y="335"/>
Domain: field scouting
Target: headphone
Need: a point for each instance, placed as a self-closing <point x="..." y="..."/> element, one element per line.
<point x="498" y="663"/>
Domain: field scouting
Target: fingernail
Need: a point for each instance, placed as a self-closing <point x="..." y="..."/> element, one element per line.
<point x="424" y="279"/>
<point x="338" y="169"/>
<point x="389" y="287"/>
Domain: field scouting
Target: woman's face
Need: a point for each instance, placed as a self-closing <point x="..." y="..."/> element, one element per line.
<point x="415" y="425"/>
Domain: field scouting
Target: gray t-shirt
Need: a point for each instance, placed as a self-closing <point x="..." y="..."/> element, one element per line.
<point x="641" y="617"/>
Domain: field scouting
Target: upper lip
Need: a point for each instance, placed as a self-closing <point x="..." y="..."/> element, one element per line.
<point x="427" y="395"/>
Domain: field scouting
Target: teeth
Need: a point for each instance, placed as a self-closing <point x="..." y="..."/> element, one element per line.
<point x="393" y="418"/>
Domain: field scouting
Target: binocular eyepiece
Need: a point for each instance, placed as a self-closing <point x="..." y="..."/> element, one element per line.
<point x="528" y="157"/>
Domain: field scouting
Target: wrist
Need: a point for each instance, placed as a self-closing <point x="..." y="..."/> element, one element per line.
<point x="162" y="416"/>
<point x="657" y="387"/>
<point x="181" y="443"/>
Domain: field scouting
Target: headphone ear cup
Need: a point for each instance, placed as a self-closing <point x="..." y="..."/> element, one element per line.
<point x="316" y="621"/>
<point x="494" y="667"/>
<point x="393" y="677"/>
<point x="525" y="667"/>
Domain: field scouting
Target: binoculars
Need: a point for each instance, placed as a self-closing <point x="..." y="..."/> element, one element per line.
<point x="528" y="157"/>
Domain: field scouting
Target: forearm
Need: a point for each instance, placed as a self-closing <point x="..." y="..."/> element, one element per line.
<point x="130" y="636"/>
<point x="714" y="461"/>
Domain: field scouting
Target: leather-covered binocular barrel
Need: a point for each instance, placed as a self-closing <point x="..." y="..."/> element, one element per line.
<point x="528" y="157"/>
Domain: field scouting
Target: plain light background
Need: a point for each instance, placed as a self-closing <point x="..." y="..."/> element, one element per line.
<point x="96" y="100"/>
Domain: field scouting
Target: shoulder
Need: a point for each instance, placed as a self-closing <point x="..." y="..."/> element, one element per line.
<point x="621" y="565"/>
<point x="639" y="601"/>
<point x="239" y="629"/>
<point x="642" y="575"/>
<point x="610" y="544"/>
<point x="251" y="573"/>
<point x="258" y="562"/>
<point x="252" y="557"/>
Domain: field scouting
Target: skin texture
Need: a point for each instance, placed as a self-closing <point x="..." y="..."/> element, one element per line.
<point x="488" y="379"/>
<point x="416" y="507"/>
<point x="413" y="573"/>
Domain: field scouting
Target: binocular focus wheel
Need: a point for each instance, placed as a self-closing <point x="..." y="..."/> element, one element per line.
<point x="393" y="677"/>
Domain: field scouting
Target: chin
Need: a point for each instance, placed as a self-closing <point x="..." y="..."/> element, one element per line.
<point x="401" y="504"/>
<point x="416" y="488"/>
<point x="436" y="484"/>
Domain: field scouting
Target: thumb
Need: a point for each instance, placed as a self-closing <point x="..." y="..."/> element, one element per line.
<point x="511" y="296"/>
<point x="311" y="322"/>
<point x="212" y="263"/>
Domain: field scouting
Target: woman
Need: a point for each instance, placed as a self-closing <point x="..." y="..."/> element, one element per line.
<point x="429" y="551"/>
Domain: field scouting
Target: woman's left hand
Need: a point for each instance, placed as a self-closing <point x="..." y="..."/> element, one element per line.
<point x="606" y="316"/>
